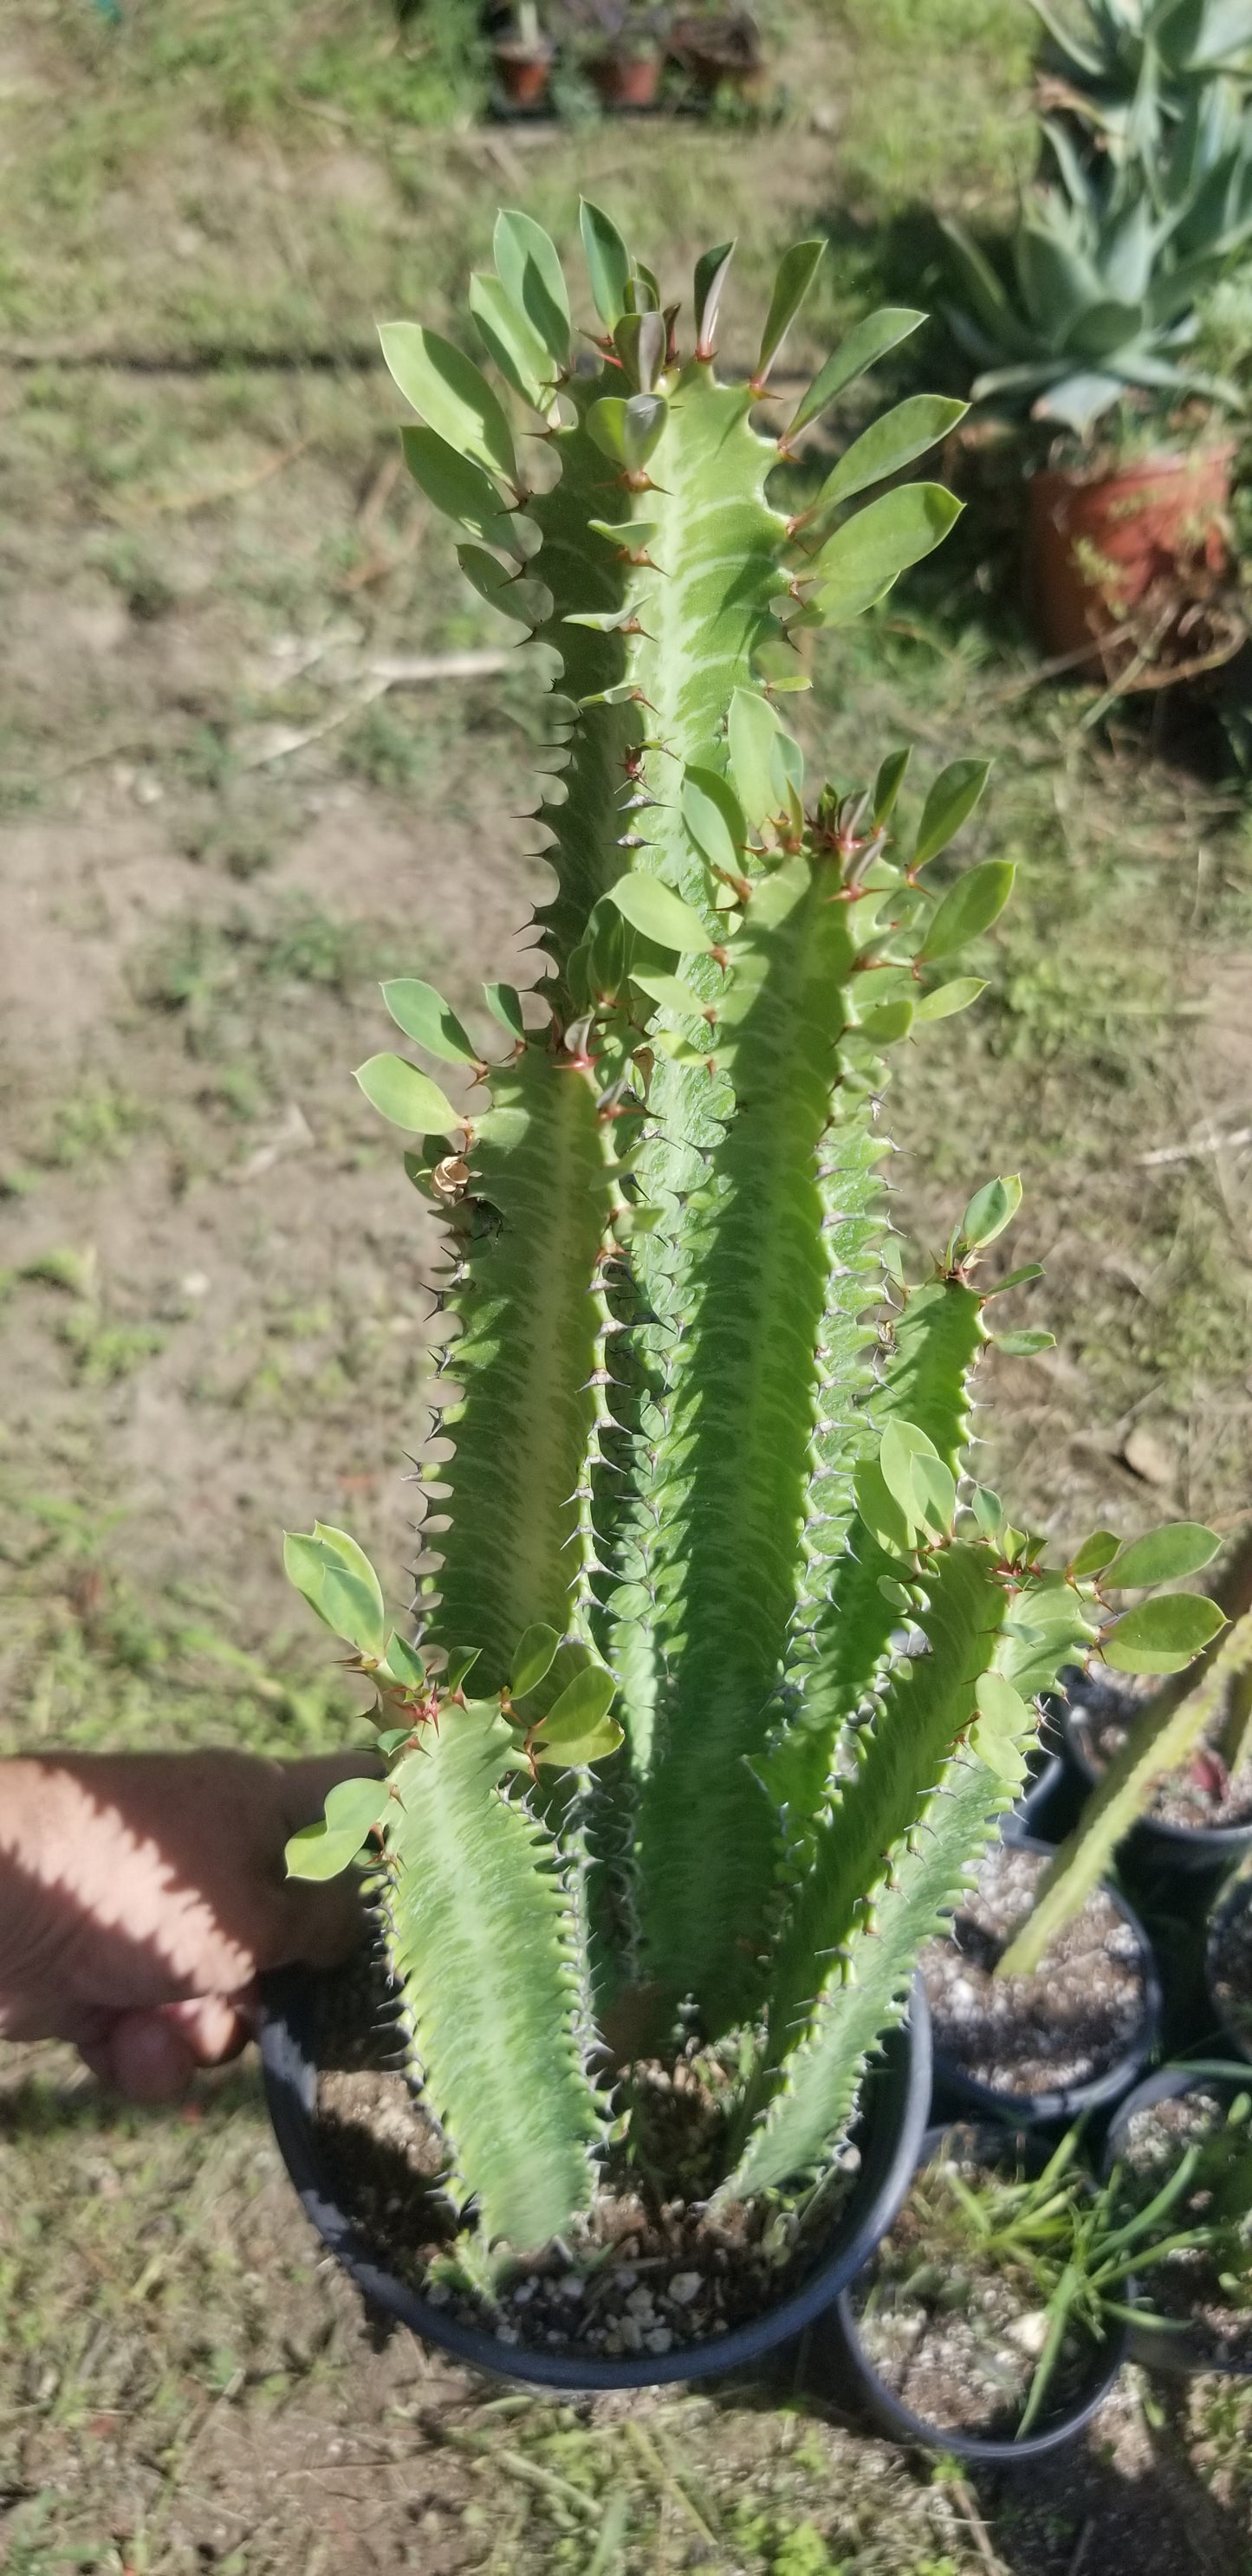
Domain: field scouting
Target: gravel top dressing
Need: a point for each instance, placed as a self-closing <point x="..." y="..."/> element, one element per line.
<point x="640" y="2275"/>
<point x="1203" y="1794"/>
<point x="954" y="2335"/>
<point x="1065" y="2025"/>
<point x="1186" y="2286"/>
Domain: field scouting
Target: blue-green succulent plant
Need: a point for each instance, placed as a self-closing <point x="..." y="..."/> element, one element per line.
<point x="726" y="1673"/>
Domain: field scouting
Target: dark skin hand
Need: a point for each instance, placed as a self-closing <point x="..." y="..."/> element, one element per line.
<point x="141" y="1896"/>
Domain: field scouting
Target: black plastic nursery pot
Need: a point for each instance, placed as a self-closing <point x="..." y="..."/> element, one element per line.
<point x="1234" y="1904"/>
<point x="895" y="2109"/>
<point x="1176" y="2353"/>
<point x="1164" y="1850"/>
<point x="957" y="2092"/>
<point x="838" y="2343"/>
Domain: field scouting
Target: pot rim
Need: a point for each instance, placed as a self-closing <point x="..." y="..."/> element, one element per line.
<point x="1235" y="1893"/>
<point x="1158" y="463"/>
<point x="1001" y="2451"/>
<point x="1045" y="2110"/>
<point x="289" y="2073"/>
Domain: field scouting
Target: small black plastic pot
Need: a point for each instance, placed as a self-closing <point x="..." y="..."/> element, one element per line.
<point x="1175" y="1851"/>
<point x="852" y="2373"/>
<point x="957" y="2093"/>
<point x="1043" y="1814"/>
<point x="896" y="2106"/>
<point x="1235" y="1899"/>
<point x="1157" y="2348"/>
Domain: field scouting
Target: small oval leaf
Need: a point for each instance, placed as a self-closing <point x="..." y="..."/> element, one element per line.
<point x="871" y="550"/>
<point x="865" y="344"/>
<point x="1163" y="1636"/>
<point x="1165" y="1555"/>
<point x="338" y="1582"/>
<point x="451" y="394"/>
<point x="511" y="340"/>
<point x="990" y="1210"/>
<point x="709" y="285"/>
<point x="424" y="1016"/>
<point x="658" y="912"/>
<point x="608" y="262"/>
<point x="408" y="1098"/>
<point x="458" y="486"/>
<point x="505" y="1005"/>
<point x="947" y="999"/>
<point x="888" y="444"/>
<point x="714" y="818"/>
<point x="529" y="268"/>
<point x="796" y="271"/>
<point x="316" y="1854"/>
<point x="969" y="907"/>
<point x="951" y="801"/>
<point x="533" y="1658"/>
<point x="581" y="1706"/>
<point x="572" y="1754"/>
<point x="1095" y="1553"/>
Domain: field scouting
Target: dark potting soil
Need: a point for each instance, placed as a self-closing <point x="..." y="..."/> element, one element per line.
<point x="1188" y="2286"/>
<point x="954" y="2337"/>
<point x="641" y="2274"/>
<point x="1203" y="1793"/>
<point x="1066" y="2025"/>
<point x="1230" y="1968"/>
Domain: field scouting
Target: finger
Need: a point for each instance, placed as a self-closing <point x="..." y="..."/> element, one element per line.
<point x="212" y="2027"/>
<point x="148" y="2058"/>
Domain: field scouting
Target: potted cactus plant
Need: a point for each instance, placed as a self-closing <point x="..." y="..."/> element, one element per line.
<point x="720" y="1685"/>
<point x="1087" y="332"/>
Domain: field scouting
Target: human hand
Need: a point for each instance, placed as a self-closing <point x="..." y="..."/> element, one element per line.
<point x="141" y="1895"/>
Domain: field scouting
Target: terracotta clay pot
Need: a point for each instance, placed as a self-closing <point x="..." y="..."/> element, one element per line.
<point x="1098" y="544"/>
<point x="523" y="72"/>
<point x="626" y="80"/>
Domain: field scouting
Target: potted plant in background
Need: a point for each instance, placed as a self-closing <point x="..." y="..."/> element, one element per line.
<point x="1123" y="72"/>
<point x="1182" y="2144"/>
<point x="994" y="2316"/>
<point x="720" y="1687"/>
<point x="1084" y="330"/>
<point x="621" y="48"/>
<point x="523" y="56"/>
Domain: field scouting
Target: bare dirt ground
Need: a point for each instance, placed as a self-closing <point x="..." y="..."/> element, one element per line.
<point x="215" y="1319"/>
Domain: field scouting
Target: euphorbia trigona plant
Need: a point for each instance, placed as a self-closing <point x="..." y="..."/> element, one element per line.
<point x="718" y="1692"/>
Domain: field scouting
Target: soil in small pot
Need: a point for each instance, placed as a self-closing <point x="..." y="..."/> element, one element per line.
<point x="643" y="2273"/>
<point x="1230" y="1967"/>
<point x="1203" y="1794"/>
<point x="955" y="2336"/>
<point x="1068" y="2024"/>
<point x="1188" y="2286"/>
